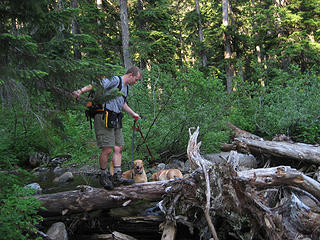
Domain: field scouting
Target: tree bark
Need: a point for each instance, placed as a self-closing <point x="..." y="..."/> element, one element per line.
<point x="203" y="57"/>
<point x="227" y="43"/>
<point x="296" y="151"/>
<point x="75" y="31"/>
<point x="169" y="231"/>
<point x="125" y="34"/>
<point x="88" y="198"/>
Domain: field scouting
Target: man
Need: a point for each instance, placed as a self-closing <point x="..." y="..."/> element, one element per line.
<point x="110" y="138"/>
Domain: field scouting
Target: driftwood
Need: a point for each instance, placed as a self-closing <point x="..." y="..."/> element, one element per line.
<point x="112" y="236"/>
<point x="296" y="151"/>
<point x="169" y="231"/>
<point x="88" y="198"/>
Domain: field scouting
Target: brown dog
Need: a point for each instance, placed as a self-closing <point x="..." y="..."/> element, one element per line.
<point x="137" y="173"/>
<point x="166" y="174"/>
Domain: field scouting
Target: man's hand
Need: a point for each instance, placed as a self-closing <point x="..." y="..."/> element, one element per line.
<point x="76" y="94"/>
<point x="136" y="116"/>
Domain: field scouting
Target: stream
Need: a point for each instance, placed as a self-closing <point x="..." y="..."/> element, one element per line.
<point x="132" y="220"/>
<point x="45" y="178"/>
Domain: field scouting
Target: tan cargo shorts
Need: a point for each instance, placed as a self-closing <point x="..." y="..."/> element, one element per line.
<point x="107" y="137"/>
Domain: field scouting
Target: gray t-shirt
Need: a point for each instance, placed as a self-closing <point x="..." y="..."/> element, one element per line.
<point x="115" y="104"/>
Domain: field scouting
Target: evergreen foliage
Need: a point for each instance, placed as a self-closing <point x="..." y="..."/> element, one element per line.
<point x="275" y="52"/>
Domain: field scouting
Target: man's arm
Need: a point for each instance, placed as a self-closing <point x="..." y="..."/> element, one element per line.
<point x="126" y="108"/>
<point x="85" y="89"/>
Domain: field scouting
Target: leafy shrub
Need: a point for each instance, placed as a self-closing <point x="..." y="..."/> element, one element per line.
<point x="18" y="212"/>
<point x="289" y="104"/>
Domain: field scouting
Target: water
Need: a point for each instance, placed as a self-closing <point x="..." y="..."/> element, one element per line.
<point x="45" y="179"/>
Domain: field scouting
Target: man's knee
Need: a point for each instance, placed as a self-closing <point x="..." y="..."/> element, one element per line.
<point x="117" y="149"/>
<point x="106" y="151"/>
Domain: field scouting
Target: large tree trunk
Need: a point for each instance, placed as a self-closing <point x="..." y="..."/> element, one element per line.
<point x="227" y="43"/>
<point x="289" y="150"/>
<point x="203" y="57"/>
<point x="75" y="31"/>
<point x="89" y="199"/>
<point x="125" y="34"/>
<point x="297" y="151"/>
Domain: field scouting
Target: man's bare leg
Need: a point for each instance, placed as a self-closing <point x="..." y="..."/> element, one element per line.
<point x="103" y="159"/>
<point x="117" y="156"/>
<point x="117" y="159"/>
<point x="105" y="178"/>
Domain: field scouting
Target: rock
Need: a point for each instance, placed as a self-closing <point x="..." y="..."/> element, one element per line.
<point x="35" y="186"/>
<point x="66" y="177"/>
<point x="40" y="171"/>
<point x="175" y="164"/>
<point x="58" y="231"/>
<point x="58" y="160"/>
<point x="246" y="161"/>
<point x="58" y="170"/>
<point x="37" y="159"/>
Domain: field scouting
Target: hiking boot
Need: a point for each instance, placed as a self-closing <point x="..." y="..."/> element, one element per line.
<point x="118" y="179"/>
<point x="105" y="180"/>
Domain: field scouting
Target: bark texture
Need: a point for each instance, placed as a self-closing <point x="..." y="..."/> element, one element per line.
<point x="88" y="199"/>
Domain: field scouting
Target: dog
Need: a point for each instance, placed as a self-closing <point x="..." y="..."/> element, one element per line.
<point x="166" y="174"/>
<point x="137" y="173"/>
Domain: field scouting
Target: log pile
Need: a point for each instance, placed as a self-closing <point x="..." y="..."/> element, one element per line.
<point x="265" y="203"/>
<point x="218" y="200"/>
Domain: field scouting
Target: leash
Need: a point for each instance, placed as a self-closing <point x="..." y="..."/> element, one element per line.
<point x="138" y="128"/>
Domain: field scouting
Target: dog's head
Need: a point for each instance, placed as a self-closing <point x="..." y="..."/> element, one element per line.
<point x="138" y="166"/>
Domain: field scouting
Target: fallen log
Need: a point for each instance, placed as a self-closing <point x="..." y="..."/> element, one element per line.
<point x="112" y="236"/>
<point x="298" y="151"/>
<point x="279" y="176"/>
<point x="88" y="198"/>
<point x="290" y="150"/>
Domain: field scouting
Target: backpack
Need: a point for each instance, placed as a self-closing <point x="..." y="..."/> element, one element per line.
<point x="94" y="107"/>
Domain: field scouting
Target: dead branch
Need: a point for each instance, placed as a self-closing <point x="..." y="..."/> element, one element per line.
<point x="196" y="160"/>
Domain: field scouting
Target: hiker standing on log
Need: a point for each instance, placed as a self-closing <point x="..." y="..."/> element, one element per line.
<point x="108" y="126"/>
